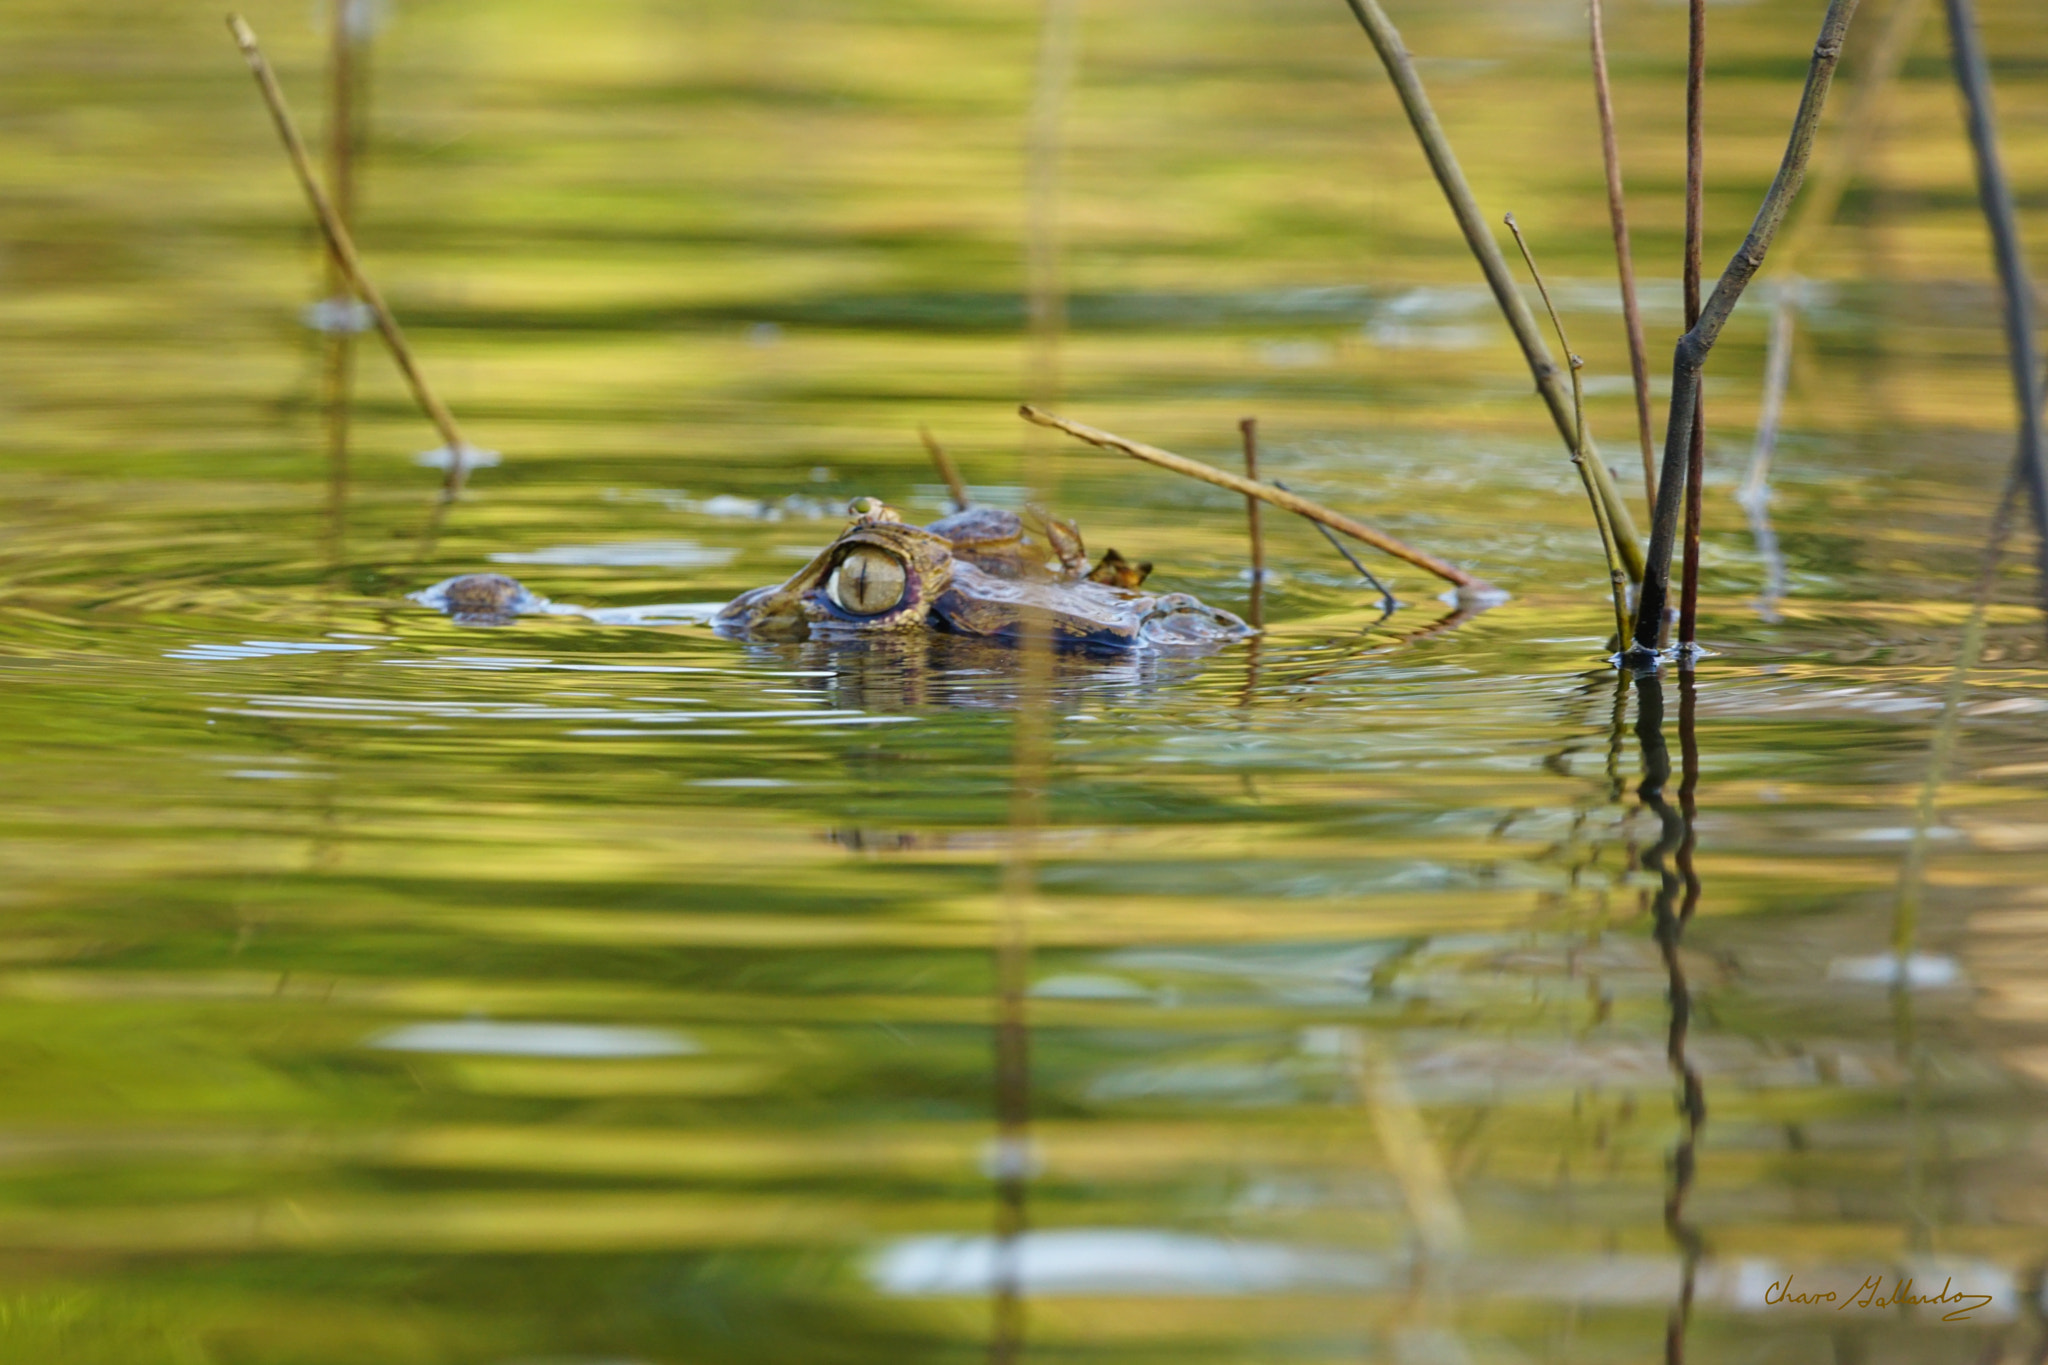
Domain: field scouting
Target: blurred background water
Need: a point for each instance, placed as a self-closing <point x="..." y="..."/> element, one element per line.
<point x="374" y="988"/>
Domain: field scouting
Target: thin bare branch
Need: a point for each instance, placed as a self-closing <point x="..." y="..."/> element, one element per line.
<point x="1248" y="428"/>
<point x="944" y="464"/>
<point x="344" y="252"/>
<point x="1265" y="492"/>
<point x="1695" y="240"/>
<point x="1690" y="355"/>
<point x="1386" y="41"/>
<point x="1973" y="74"/>
<point x="1624" y="254"/>
<point x="1617" y="581"/>
<point x="1387" y="602"/>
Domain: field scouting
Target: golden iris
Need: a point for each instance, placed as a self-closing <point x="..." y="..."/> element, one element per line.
<point x="867" y="582"/>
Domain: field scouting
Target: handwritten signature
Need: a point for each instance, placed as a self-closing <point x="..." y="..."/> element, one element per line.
<point x="1870" y="1294"/>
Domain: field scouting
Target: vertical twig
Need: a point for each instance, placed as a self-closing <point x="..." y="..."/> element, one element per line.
<point x="1248" y="428"/>
<point x="1689" y="357"/>
<point x="1617" y="580"/>
<point x="1045" y="298"/>
<point x="1624" y="255"/>
<point x="1973" y="74"/>
<point x="944" y="464"/>
<point x="341" y="140"/>
<point x="341" y="341"/>
<point x="344" y="251"/>
<point x="1695" y="236"/>
<point x="1386" y="41"/>
<point x="1031" y="757"/>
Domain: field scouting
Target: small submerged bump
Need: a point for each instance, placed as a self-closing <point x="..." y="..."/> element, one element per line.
<point x="481" y="599"/>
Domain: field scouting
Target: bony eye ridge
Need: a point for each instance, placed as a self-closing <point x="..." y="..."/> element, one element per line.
<point x="868" y="582"/>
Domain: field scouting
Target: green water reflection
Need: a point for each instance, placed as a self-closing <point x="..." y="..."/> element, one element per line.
<point x="373" y="988"/>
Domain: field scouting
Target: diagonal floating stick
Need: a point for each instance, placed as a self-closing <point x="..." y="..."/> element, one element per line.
<point x="1469" y="586"/>
<point x="343" y="250"/>
<point x="1386" y="40"/>
<point x="1689" y="359"/>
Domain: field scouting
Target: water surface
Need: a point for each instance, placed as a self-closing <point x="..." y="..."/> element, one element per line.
<point x="600" y="989"/>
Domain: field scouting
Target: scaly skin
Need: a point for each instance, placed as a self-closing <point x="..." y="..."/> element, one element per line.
<point x="981" y="573"/>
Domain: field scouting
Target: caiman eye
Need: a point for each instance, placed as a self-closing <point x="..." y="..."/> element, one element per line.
<point x="867" y="582"/>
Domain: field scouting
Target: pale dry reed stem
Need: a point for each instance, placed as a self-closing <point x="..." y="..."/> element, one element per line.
<point x="1265" y="492"/>
<point x="1393" y="54"/>
<point x="955" y="485"/>
<point x="1248" y="429"/>
<point x="1045" y="293"/>
<point x="1616" y="579"/>
<point x="1624" y="253"/>
<point x="1412" y="1154"/>
<point x="344" y="252"/>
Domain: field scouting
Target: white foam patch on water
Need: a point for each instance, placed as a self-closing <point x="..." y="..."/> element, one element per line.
<point x="1108" y="1262"/>
<point x="261" y="649"/>
<point x="508" y="663"/>
<point x="1081" y="986"/>
<point x="1920" y="971"/>
<point x="480" y="1037"/>
<point x="440" y="458"/>
<point x="680" y="554"/>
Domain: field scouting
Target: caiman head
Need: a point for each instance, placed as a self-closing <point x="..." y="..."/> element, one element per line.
<point x="879" y="575"/>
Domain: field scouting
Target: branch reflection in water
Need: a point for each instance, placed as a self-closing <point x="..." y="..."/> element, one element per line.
<point x="1676" y="897"/>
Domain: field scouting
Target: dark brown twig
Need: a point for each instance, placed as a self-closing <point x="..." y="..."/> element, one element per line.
<point x="1265" y="492"/>
<point x="1695" y="236"/>
<point x="1248" y="428"/>
<point x="1973" y="74"/>
<point x="1387" y="602"/>
<point x="343" y="248"/>
<point x="1624" y="255"/>
<point x="1386" y="41"/>
<point x="1689" y="358"/>
<point x="944" y="464"/>
<point x="1617" y="580"/>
